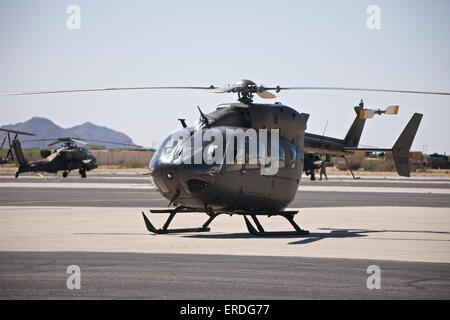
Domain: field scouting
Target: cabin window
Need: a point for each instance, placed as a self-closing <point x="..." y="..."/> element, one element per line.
<point x="238" y="156"/>
<point x="292" y="157"/>
<point x="251" y="155"/>
<point x="282" y="157"/>
<point x="254" y="157"/>
<point x="211" y="152"/>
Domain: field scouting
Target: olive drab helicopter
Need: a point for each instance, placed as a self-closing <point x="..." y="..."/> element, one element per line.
<point x="68" y="157"/>
<point x="7" y="138"/>
<point x="240" y="188"/>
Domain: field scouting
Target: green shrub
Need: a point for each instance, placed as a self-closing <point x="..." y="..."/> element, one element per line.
<point x="31" y="154"/>
<point x="374" y="164"/>
<point x="132" y="164"/>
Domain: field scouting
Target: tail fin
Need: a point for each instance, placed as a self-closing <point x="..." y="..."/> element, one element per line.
<point x="354" y="133"/>
<point x="19" y="153"/>
<point x="401" y="148"/>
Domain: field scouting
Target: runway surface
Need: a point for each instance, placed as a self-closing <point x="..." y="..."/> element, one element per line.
<point x="166" y="276"/>
<point x="137" y="191"/>
<point x="401" y="225"/>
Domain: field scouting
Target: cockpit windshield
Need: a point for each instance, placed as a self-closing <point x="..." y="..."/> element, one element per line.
<point x="191" y="146"/>
<point x="170" y="147"/>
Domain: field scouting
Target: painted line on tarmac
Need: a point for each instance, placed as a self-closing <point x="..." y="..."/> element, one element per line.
<point x="142" y="186"/>
<point x="373" y="189"/>
<point x="76" y="185"/>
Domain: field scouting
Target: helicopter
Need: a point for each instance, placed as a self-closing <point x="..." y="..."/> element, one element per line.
<point x="239" y="183"/>
<point x="66" y="158"/>
<point x="311" y="164"/>
<point x="9" y="154"/>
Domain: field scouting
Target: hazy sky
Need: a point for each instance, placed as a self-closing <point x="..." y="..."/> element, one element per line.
<point x="199" y="43"/>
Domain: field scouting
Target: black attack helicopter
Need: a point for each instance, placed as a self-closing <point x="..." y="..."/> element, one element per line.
<point x="7" y="138"/>
<point x="68" y="157"/>
<point x="241" y="189"/>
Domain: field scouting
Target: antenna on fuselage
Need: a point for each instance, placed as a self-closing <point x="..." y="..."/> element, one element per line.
<point x="183" y="122"/>
<point x="203" y="117"/>
<point x="325" y="129"/>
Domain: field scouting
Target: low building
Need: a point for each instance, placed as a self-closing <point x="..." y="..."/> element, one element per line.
<point x="117" y="157"/>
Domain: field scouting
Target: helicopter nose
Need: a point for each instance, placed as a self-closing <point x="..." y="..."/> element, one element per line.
<point x="164" y="178"/>
<point x="176" y="181"/>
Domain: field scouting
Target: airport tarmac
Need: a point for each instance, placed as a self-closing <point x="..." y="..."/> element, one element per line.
<point x="401" y="225"/>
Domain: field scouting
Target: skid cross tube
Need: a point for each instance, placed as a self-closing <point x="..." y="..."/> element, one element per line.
<point x="165" y="229"/>
<point x="288" y="215"/>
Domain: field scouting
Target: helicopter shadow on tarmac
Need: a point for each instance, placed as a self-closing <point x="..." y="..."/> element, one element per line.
<point x="308" y="238"/>
<point x="317" y="236"/>
<point x="312" y="237"/>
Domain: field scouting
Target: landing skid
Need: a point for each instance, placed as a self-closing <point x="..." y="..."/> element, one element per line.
<point x="259" y="231"/>
<point x="172" y="212"/>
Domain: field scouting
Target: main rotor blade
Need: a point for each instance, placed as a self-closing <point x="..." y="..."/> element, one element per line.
<point x="359" y="89"/>
<point x="222" y="89"/>
<point x="227" y="89"/>
<point x="266" y="95"/>
<point x="105" y="89"/>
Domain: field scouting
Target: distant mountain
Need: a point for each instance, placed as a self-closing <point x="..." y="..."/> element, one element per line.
<point x="46" y="129"/>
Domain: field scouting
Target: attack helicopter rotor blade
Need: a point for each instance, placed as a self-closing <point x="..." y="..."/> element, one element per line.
<point x="3" y="142"/>
<point x="17" y="132"/>
<point x="86" y="142"/>
<point x="54" y="141"/>
<point x="80" y="140"/>
<point x="107" y="89"/>
<point x="33" y="140"/>
<point x="109" y="142"/>
<point x="278" y="89"/>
